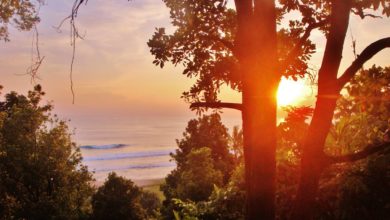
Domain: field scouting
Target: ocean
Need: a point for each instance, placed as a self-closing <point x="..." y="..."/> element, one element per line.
<point x="136" y="148"/>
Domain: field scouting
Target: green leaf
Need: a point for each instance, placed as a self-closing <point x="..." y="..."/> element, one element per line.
<point x="176" y="214"/>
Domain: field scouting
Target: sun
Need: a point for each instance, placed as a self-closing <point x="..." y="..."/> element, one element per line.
<point x="290" y="92"/>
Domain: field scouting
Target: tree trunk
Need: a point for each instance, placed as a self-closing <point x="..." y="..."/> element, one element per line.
<point x="313" y="158"/>
<point x="259" y="125"/>
<point x="258" y="65"/>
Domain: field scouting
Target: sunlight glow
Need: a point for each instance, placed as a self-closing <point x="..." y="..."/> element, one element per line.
<point x="290" y="92"/>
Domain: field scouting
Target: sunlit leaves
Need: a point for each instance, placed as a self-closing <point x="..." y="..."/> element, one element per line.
<point x="21" y="14"/>
<point x="203" y="40"/>
<point x="290" y="42"/>
<point x="293" y="129"/>
<point x="362" y="114"/>
<point x="311" y="11"/>
<point x="202" y="43"/>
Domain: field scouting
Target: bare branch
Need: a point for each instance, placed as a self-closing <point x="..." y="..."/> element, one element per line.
<point x="353" y="43"/>
<point x="236" y="106"/>
<point x="366" y="55"/>
<point x="362" y="15"/>
<point x="74" y="35"/>
<point x="369" y="150"/>
<point x="36" y="58"/>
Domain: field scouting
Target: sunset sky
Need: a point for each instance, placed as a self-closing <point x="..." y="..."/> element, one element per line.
<point x="113" y="71"/>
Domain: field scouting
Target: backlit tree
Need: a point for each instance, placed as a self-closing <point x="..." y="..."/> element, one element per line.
<point x="242" y="48"/>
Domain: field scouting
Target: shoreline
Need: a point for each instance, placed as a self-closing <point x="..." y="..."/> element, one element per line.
<point x="148" y="182"/>
<point x="144" y="183"/>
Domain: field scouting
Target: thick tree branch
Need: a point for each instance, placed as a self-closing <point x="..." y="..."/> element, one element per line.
<point x="367" y="54"/>
<point x="236" y="106"/>
<point x="369" y="150"/>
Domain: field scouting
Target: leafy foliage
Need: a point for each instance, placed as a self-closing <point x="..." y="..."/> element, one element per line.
<point x="227" y="202"/>
<point x="362" y="114"/>
<point x="151" y="203"/>
<point x="203" y="160"/>
<point x="204" y="40"/>
<point x="292" y="130"/>
<point x="364" y="191"/>
<point x="198" y="176"/>
<point x="206" y="131"/>
<point x="41" y="175"/>
<point x="236" y="144"/>
<point x="117" y="198"/>
<point x="359" y="190"/>
<point x="200" y="44"/>
<point x="347" y="191"/>
<point x="291" y="133"/>
<point x="21" y="14"/>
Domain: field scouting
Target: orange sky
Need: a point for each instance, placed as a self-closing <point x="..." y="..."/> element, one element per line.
<point x="113" y="72"/>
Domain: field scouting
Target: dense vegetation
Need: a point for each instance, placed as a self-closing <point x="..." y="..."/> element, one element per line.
<point x="249" y="48"/>
<point x="40" y="167"/>
<point x="347" y="191"/>
<point x="41" y="174"/>
<point x="220" y="46"/>
<point x="204" y="161"/>
<point x="119" y="198"/>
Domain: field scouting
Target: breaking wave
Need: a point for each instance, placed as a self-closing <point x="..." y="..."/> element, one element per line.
<point x="104" y="147"/>
<point x="129" y="155"/>
<point x="139" y="166"/>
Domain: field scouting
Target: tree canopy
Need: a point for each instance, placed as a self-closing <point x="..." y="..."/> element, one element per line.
<point x="203" y="160"/>
<point x="117" y="198"/>
<point x="204" y="40"/>
<point x="41" y="175"/>
<point x="120" y="198"/>
<point x="355" y="190"/>
<point x="20" y="14"/>
<point x="249" y="48"/>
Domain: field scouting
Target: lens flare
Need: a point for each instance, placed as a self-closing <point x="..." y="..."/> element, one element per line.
<point x="290" y="92"/>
